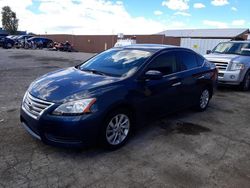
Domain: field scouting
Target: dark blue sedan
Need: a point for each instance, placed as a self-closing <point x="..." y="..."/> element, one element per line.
<point x="104" y="98"/>
<point x="6" y="42"/>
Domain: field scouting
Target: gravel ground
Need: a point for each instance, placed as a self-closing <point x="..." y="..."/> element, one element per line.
<point x="187" y="149"/>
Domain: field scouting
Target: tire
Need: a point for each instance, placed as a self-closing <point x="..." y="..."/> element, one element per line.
<point x="245" y="85"/>
<point x="9" y="45"/>
<point x="203" y="100"/>
<point x="117" y="129"/>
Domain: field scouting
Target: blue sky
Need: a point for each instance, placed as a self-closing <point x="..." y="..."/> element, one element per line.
<point x="128" y="16"/>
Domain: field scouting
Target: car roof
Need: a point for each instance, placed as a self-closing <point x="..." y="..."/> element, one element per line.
<point x="25" y="36"/>
<point x="39" y="38"/>
<point x="35" y="37"/>
<point x="150" y="47"/>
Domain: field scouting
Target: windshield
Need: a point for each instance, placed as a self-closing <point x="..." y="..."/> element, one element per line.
<point x="238" y="48"/>
<point x="116" y="62"/>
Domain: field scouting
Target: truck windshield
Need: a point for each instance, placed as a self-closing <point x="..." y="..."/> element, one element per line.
<point x="116" y="62"/>
<point x="239" y="48"/>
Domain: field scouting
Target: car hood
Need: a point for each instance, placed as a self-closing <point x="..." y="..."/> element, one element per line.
<point x="227" y="58"/>
<point x="69" y="84"/>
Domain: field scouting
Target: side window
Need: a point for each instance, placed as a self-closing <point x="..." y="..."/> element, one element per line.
<point x="200" y="60"/>
<point x="188" y="60"/>
<point x="165" y="63"/>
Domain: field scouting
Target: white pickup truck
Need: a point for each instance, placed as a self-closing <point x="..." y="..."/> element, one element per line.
<point x="232" y="60"/>
<point x="124" y="42"/>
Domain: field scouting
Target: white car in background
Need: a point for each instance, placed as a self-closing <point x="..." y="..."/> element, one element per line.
<point x="124" y="42"/>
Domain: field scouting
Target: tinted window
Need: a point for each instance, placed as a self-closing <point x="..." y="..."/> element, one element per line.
<point x="200" y="60"/>
<point x="165" y="63"/>
<point x="117" y="62"/>
<point x="187" y="59"/>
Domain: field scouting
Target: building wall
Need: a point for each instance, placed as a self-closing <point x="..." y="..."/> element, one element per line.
<point x="99" y="43"/>
<point x="201" y="45"/>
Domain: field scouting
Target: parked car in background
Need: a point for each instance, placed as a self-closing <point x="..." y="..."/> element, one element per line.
<point x="233" y="62"/>
<point x="6" y="42"/>
<point x="40" y="42"/>
<point x="1" y="40"/>
<point x="22" y="41"/>
<point x="106" y="96"/>
<point x="13" y="37"/>
<point x="23" y="37"/>
<point x="124" y="42"/>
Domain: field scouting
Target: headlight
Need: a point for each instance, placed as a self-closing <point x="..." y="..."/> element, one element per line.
<point x="75" y="107"/>
<point x="237" y="66"/>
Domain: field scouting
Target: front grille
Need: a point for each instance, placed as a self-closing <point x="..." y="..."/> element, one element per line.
<point x="34" y="106"/>
<point x="221" y="65"/>
<point x="221" y="74"/>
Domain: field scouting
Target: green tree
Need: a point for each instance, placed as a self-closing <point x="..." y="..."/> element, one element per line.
<point x="9" y="20"/>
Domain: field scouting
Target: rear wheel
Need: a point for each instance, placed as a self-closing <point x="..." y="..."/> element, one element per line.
<point x="203" y="100"/>
<point x="116" y="130"/>
<point x="245" y="85"/>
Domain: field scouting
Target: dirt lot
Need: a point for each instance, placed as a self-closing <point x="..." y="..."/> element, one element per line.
<point x="188" y="149"/>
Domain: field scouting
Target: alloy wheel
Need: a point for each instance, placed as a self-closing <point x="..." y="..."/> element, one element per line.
<point x="247" y="82"/>
<point x="204" y="99"/>
<point x="117" y="129"/>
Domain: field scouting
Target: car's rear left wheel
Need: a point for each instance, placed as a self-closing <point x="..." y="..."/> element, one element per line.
<point x="203" y="100"/>
<point x="117" y="129"/>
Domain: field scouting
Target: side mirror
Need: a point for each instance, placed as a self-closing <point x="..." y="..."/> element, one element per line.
<point x="153" y="75"/>
<point x="209" y="51"/>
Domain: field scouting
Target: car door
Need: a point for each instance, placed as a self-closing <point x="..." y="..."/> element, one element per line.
<point x="162" y="96"/>
<point x="191" y="76"/>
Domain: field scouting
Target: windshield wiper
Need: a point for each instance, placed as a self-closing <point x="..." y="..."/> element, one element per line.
<point x="93" y="71"/>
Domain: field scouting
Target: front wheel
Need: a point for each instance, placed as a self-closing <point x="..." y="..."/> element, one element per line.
<point x="203" y="100"/>
<point x="9" y="45"/>
<point x="117" y="129"/>
<point x="245" y="85"/>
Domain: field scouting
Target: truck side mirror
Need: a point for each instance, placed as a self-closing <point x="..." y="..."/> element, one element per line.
<point x="209" y="51"/>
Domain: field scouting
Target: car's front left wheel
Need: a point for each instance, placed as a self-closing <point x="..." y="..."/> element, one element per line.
<point x="116" y="130"/>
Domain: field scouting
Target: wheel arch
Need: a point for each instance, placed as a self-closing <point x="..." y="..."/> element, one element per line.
<point x="122" y="105"/>
<point x="210" y="87"/>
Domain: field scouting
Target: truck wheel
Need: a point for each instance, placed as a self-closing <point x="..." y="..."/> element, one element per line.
<point x="245" y="85"/>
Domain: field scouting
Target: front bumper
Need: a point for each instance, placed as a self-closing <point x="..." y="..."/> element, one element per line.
<point x="65" y="131"/>
<point x="230" y="77"/>
<point x="30" y="131"/>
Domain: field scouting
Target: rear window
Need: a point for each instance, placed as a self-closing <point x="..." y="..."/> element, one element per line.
<point x="188" y="60"/>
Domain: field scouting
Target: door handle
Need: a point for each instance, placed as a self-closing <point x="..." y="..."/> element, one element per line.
<point x="176" y="84"/>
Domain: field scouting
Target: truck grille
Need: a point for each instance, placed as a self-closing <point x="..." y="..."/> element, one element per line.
<point x="221" y="65"/>
<point x="34" y="106"/>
